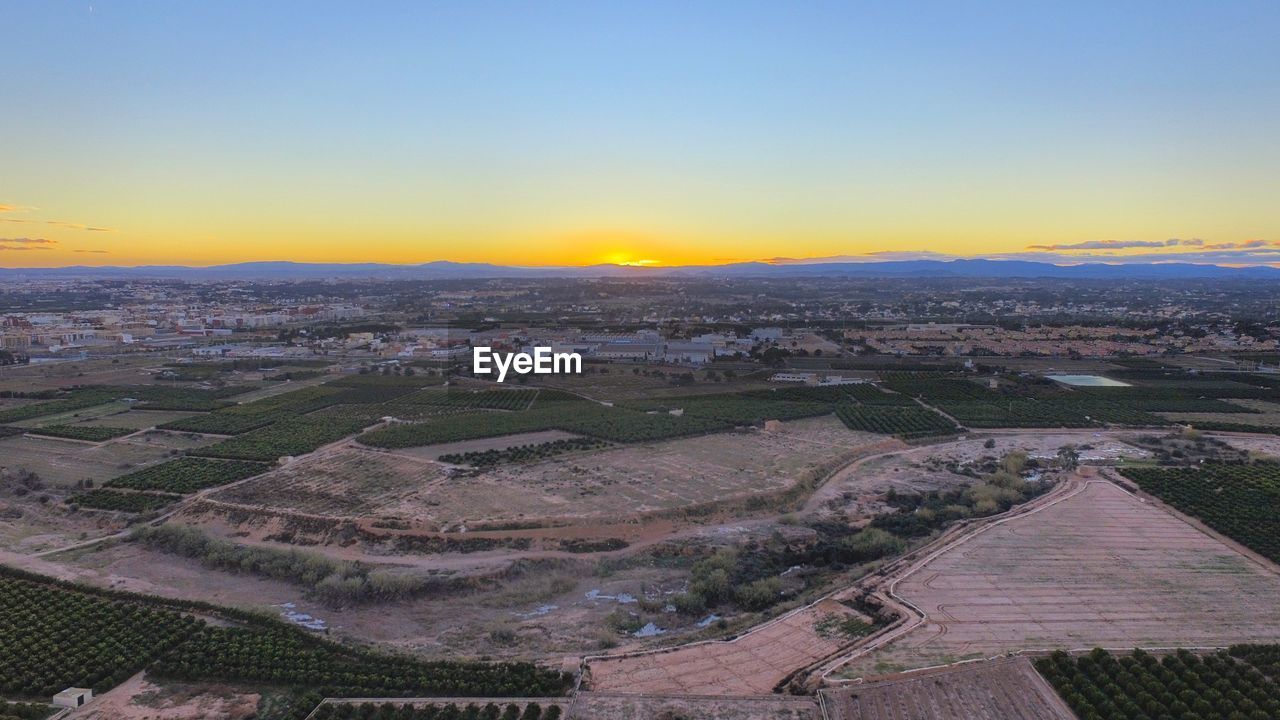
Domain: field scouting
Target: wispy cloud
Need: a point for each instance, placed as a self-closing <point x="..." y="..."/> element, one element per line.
<point x="92" y="251"/>
<point x="1194" y="250"/>
<point x="1120" y="244"/>
<point x="28" y="241"/>
<point x="11" y="208"/>
<point x="78" y="226"/>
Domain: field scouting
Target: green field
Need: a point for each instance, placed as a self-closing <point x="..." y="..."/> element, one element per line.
<point x="1240" y="501"/>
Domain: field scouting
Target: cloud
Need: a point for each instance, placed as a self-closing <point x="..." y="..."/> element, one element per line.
<point x="1249" y="252"/>
<point x="28" y="241"/>
<point x="1120" y="244"/>
<point x="78" y="226"/>
<point x="24" y="247"/>
<point x="91" y="251"/>
<point x="1246" y="245"/>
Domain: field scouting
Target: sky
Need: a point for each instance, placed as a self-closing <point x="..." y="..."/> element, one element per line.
<point x="574" y="133"/>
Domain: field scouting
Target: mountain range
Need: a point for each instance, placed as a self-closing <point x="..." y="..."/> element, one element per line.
<point x="975" y="268"/>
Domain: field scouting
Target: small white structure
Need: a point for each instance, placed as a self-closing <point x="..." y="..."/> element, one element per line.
<point x="73" y="697"/>
<point x="794" y="377"/>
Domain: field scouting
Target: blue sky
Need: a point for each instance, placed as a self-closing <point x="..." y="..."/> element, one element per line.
<point x="667" y="132"/>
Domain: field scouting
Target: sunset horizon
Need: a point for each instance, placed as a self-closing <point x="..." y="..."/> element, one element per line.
<point x="202" y="134"/>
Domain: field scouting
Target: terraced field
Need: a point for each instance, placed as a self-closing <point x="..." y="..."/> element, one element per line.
<point x="1100" y="568"/>
<point x="998" y="690"/>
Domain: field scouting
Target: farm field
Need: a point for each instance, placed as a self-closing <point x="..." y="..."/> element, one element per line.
<point x="502" y="442"/>
<point x="168" y="440"/>
<point x="753" y="664"/>
<point x="622" y="384"/>
<point x="1099" y="568"/>
<point x="188" y="474"/>
<point x="905" y="422"/>
<point x="611" y="706"/>
<point x="79" y="415"/>
<point x="1214" y="686"/>
<point x="1239" y="501"/>
<point x="139" y="419"/>
<point x="551" y="609"/>
<point x="105" y="638"/>
<point x="1265" y="446"/>
<point x="51" y="376"/>
<point x="605" y="484"/>
<point x="1006" y="689"/>
<point x="279" y="388"/>
<point x="343" y="482"/>
<point x="143" y="698"/>
<point x="1263" y="414"/>
<point x="661" y="476"/>
<point x="64" y="463"/>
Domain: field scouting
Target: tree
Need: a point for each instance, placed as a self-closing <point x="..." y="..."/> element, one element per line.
<point x="1068" y="457"/>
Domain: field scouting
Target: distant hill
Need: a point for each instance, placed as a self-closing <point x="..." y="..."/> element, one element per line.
<point x="977" y="268"/>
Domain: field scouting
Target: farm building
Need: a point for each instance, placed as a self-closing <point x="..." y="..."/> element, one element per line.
<point x="73" y="697"/>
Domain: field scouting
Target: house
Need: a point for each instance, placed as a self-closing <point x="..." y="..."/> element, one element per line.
<point x="840" y="380"/>
<point x="73" y="697"/>
<point x="807" y="378"/>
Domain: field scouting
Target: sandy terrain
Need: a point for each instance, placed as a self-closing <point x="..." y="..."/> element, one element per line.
<point x="607" y="706"/>
<point x="1099" y="568"/>
<point x="139" y="699"/>
<point x="752" y="664"/>
<point x="1007" y="689"/>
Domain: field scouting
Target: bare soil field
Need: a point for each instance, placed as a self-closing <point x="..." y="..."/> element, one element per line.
<point x="64" y="463"/>
<point x="664" y="476"/>
<point x="54" y="375"/>
<point x="609" y="706"/>
<point x="1098" y="568"/>
<point x="753" y="664"/>
<point x="280" y="388"/>
<point x="1263" y="444"/>
<point x="1005" y="689"/>
<point x="502" y="442"/>
<point x="169" y="440"/>
<point x="344" y="482"/>
<point x="66" y="418"/>
<point x="139" y="699"/>
<point x="598" y="486"/>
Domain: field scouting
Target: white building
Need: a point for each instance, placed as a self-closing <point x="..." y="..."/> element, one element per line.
<point x="795" y="377"/>
<point x="73" y="697"/>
